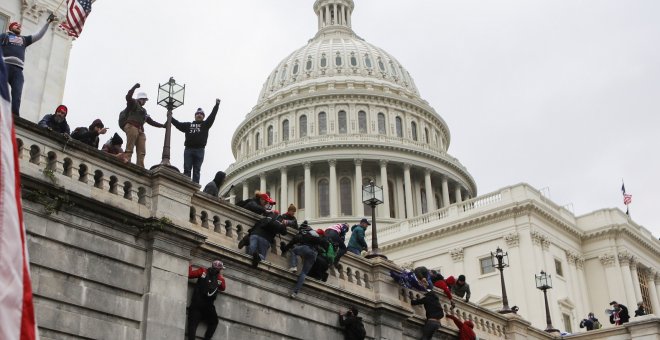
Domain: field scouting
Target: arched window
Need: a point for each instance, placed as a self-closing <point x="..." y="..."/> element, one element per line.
<point x="324" y="60"/>
<point x="285" y="130"/>
<point x="308" y="65"/>
<point x="413" y="130"/>
<point x="256" y="141"/>
<point x="324" y="198"/>
<point x="346" y="197"/>
<point x="283" y="74"/>
<point x="323" y="123"/>
<point x="353" y="59"/>
<point x="300" y="194"/>
<point x="399" y="127"/>
<point x="270" y="135"/>
<point x="341" y="117"/>
<point x="381" y="124"/>
<point x="362" y="121"/>
<point x="302" y="126"/>
<point x="367" y="61"/>
<point x="426" y="135"/>
<point x="338" y="59"/>
<point x="381" y="66"/>
<point x="390" y="194"/>
<point x="295" y="68"/>
<point x="422" y="194"/>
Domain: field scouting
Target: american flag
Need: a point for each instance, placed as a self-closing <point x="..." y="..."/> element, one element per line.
<point x="16" y="308"/>
<point x="627" y="198"/>
<point x="77" y="13"/>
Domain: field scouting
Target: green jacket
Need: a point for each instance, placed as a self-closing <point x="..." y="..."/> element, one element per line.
<point x="357" y="240"/>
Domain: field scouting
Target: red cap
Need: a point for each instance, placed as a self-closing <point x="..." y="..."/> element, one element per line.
<point x="62" y="108"/>
<point x="267" y="198"/>
<point x="15" y="23"/>
<point x="321" y="232"/>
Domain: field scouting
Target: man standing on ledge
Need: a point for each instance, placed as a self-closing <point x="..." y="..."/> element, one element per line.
<point x="197" y="132"/>
<point x="13" y="49"/>
<point x="132" y="120"/>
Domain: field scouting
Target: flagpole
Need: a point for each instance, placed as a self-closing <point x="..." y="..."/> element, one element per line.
<point x="58" y="6"/>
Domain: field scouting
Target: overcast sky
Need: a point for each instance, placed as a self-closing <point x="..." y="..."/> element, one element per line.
<point x="563" y="95"/>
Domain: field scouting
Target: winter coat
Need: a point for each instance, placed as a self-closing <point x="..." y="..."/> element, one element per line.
<point x="357" y="240"/>
<point x="197" y="133"/>
<point x="200" y="296"/>
<point x="213" y="187"/>
<point x="268" y="227"/>
<point x="49" y="122"/>
<point x="431" y="304"/>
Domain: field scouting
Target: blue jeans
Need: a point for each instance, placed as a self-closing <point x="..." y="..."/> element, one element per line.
<point x="308" y="255"/>
<point x="15" y="80"/>
<point x="260" y="245"/>
<point x="193" y="159"/>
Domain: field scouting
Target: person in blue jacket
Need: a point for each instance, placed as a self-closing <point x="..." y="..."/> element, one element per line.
<point x="357" y="243"/>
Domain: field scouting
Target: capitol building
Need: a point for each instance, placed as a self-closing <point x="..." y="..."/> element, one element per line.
<point x="340" y="112"/>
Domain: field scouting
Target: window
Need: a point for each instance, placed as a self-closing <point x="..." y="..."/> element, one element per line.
<point x="341" y="117"/>
<point x="338" y="59"/>
<point x="567" y="322"/>
<point x="300" y="193"/>
<point x="353" y="59"/>
<point x="393" y="68"/>
<point x="390" y="194"/>
<point x="324" y="60"/>
<point x="302" y="122"/>
<point x="270" y="135"/>
<point x="295" y="68"/>
<point x="283" y="74"/>
<point x="381" y="123"/>
<point x="323" y="123"/>
<point x="413" y="130"/>
<point x="399" y="127"/>
<point x="426" y="136"/>
<point x="308" y="66"/>
<point x="367" y="61"/>
<point x="422" y="194"/>
<point x="644" y="287"/>
<point x="285" y="130"/>
<point x="346" y="197"/>
<point x="324" y="198"/>
<point x="381" y="66"/>
<point x="256" y="141"/>
<point x="486" y="264"/>
<point x="558" y="268"/>
<point x="362" y="121"/>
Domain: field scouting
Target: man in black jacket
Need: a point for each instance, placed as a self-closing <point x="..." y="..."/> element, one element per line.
<point x="353" y="325"/>
<point x="263" y="235"/>
<point x="56" y="121"/>
<point x="433" y="310"/>
<point x="90" y="136"/>
<point x="197" y="133"/>
<point x="619" y="314"/>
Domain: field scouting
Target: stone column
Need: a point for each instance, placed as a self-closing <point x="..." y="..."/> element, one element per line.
<point x="429" y="191"/>
<point x="624" y="261"/>
<point x="574" y="282"/>
<point x="408" y="190"/>
<point x="333" y="187"/>
<point x="582" y="282"/>
<point x="385" y="210"/>
<point x="359" y="207"/>
<point x="262" y="182"/>
<point x="284" y="189"/>
<point x="459" y="197"/>
<point x="635" y="277"/>
<point x="246" y="190"/>
<point x="657" y="288"/>
<point x="308" y="190"/>
<point x="612" y="277"/>
<point x="445" y="192"/>
<point x="653" y="293"/>
<point x="232" y="196"/>
<point x="334" y="11"/>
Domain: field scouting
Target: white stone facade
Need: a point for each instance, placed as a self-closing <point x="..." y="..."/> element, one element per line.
<point x="46" y="61"/>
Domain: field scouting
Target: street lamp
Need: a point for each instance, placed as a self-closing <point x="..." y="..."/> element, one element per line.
<point x="372" y="195"/>
<point x="502" y="261"/>
<point x="170" y="96"/>
<point x="544" y="282"/>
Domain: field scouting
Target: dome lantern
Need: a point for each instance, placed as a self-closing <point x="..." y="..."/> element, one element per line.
<point x="334" y="15"/>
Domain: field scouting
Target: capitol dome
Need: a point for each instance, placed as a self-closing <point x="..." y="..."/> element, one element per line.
<point x="336" y="114"/>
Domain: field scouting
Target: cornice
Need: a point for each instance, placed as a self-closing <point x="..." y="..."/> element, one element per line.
<point x="619" y="230"/>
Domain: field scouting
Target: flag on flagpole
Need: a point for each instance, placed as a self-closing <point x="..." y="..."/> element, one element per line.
<point x="627" y="198"/>
<point x="16" y="309"/>
<point x="76" y="14"/>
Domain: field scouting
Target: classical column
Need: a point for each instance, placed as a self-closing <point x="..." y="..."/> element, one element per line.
<point x="574" y="282"/>
<point x="333" y="187"/>
<point x="246" y="190"/>
<point x="232" y="196"/>
<point x="284" y="189"/>
<point x="624" y="261"/>
<point x="408" y="190"/>
<point x="385" y="210"/>
<point x="582" y="282"/>
<point x="635" y="278"/>
<point x="653" y="293"/>
<point x="429" y="190"/>
<point x="612" y="277"/>
<point x="308" y="191"/>
<point x="334" y="11"/>
<point x="445" y="192"/>
<point x="359" y="207"/>
<point x="657" y="288"/>
<point x="262" y="182"/>
<point x="459" y="197"/>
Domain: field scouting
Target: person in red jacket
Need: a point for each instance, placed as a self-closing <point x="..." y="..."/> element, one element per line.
<point x="209" y="282"/>
<point x="465" y="331"/>
<point x="440" y="282"/>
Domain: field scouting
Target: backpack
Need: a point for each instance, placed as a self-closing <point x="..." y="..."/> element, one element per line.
<point x="123" y="117"/>
<point x="206" y="288"/>
<point x="78" y="132"/>
<point x="597" y="325"/>
<point x="357" y="330"/>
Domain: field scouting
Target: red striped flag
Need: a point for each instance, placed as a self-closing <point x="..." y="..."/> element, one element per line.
<point x="77" y="12"/>
<point x="16" y="309"/>
<point x="627" y="198"/>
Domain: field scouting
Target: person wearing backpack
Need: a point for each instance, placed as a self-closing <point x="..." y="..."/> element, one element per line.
<point x="325" y="256"/>
<point x="353" y="325"/>
<point x="306" y="246"/>
<point x="90" y="136"/>
<point x="209" y="282"/>
<point x="336" y="234"/>
<point x="357" y="243"/>
<point x="197" y="133"/>
<point x="132" y="120"/>
<point x="262" y="236"/>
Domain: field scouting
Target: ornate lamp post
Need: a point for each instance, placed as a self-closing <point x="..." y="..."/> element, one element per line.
<point x="502" y="259"/>
<point x="372" y="195"/>
<point x="544" y="282"/>
<point x="170" y="96"/>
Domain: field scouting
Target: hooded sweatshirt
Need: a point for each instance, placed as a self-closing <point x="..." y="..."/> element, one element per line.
<point x="197" y="133"/>
<point x="214" y="186"/>
<point x="357" y="240"/>
<point x="465" y="331"/>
